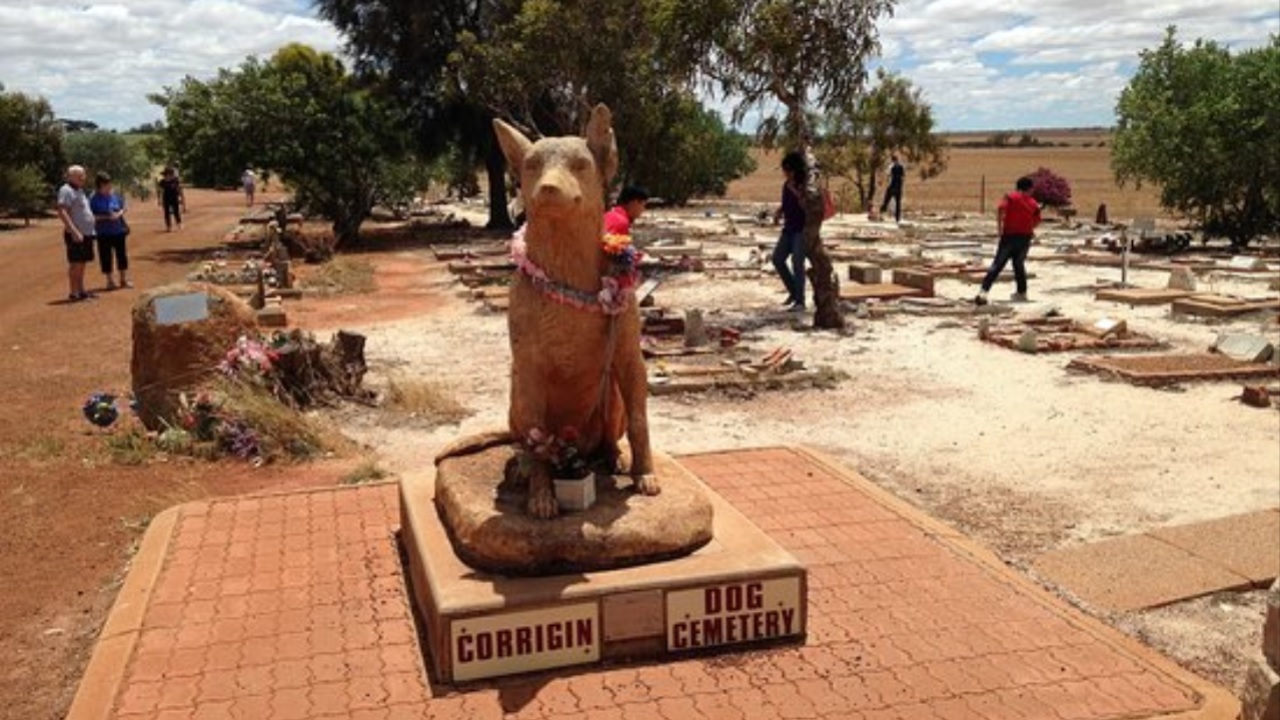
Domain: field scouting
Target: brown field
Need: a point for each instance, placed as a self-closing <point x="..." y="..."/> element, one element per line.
<point x="1084" y="164"/>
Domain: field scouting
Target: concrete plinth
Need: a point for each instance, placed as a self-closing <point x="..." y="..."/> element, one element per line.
<point x="740" y="589"/>
<point x="1260" y="699"/>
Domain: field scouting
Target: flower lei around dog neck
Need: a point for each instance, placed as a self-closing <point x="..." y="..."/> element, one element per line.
<point x="618" y="285"/>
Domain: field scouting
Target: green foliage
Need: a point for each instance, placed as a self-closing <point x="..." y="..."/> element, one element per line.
<point x="408" y="43"/>
<point x="688" y="153"/>
<point x="31" y="158"/>
<point x="857" y="143"/>
<point x="23" y="191"/>
<point x="1203" y="125"/>
<point x="795" y="53"/>
<point x="622" y="54"/>
<point x="107" y="152"/>
<point x="339" y="145"/>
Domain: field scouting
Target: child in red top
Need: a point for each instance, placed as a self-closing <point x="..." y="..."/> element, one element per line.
<point x="631" y="205"/>
<point x="1016" y="222"/>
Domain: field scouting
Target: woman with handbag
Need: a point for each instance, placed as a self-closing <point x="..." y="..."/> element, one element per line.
<point x="791" y="243"/>
<point x="108" y="215"/>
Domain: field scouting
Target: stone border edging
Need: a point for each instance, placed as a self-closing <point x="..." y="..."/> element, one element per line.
<point x="96" y="694"/>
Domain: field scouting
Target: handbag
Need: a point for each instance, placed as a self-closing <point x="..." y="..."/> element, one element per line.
<point x="828" y="204"/>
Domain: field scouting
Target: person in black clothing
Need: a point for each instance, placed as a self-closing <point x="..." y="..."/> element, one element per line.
<point x="171" y="198"/>
<point x="897" y="174"/>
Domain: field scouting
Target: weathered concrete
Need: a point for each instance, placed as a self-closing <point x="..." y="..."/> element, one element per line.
<point x="1260" y="699"/>
<point x="1244" y="347"/>
<point x="1182" y="279"/>
<point x="866" y="273"/>
<point x="920" y="279"/>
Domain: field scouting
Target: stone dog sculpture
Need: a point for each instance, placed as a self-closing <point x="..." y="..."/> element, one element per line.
<point x="578" y="379"/>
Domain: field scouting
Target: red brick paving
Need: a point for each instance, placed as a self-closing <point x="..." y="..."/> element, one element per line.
<point x="293" y="606"/>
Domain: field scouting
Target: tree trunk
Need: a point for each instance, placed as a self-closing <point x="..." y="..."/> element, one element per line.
<point x="495" y="166"/>
<point x="822" y="275"/>
<point x="346" y="230"/>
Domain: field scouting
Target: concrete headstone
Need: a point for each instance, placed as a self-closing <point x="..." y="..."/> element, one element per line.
<point x="1245" y="262"/>
<point x="1244" y="347"/>
<point x="1182" y="279"/>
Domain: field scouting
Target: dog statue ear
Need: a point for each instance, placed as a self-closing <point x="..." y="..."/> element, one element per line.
<point x="515" y="146"/>
<point x="601" y="141"/>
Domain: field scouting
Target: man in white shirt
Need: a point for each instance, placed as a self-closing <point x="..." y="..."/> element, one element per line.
<point x="250" y="182"/>
<point x="78" y="233"/>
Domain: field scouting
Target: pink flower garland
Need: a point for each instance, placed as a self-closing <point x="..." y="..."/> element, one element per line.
<point x="614" y="295"/>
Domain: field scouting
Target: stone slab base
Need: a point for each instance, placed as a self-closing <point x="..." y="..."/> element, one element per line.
<point x="740" y="589"/>
<point x="483" y="505"/>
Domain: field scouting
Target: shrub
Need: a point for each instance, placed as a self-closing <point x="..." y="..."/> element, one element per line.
<point x="1050" y="188"/>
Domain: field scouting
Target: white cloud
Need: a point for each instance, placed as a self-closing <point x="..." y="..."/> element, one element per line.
<point x="986" y="64"/>
<point x="981" y="63"/>
<point x="99" y="61"/>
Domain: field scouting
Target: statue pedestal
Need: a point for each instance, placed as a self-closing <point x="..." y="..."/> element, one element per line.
<point x="483" y="510"/>
<point x="740" y="589"/>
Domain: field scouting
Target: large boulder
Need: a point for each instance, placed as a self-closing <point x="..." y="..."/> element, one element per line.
<point x="180" y="334"/>
<point x="481" y="505"/>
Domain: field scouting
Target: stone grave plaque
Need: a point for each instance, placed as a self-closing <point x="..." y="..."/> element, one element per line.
<point x="178" y="309"/>
<point x="628" y="616"/>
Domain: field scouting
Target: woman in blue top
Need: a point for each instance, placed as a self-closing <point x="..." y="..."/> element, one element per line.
<point x="791" y="241"/>
<point x="108" y="215"/>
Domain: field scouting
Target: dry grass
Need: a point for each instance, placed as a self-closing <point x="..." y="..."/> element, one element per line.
<point x="959" y="189"/>
<point x="283" y="433"/>
<point x="37" y="451"/>
<point x="424" y="400"/>
<point x="366" y="472"/>
<point x="344" y="275"/>
<point x="130" y="446"/>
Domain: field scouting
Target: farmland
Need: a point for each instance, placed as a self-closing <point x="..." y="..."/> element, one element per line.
<point x="1085" y="162"/>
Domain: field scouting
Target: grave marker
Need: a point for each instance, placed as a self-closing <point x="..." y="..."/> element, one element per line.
<point x="179" y="309"/>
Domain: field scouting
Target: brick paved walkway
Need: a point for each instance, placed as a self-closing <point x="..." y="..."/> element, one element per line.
<point x="293" y="606"/>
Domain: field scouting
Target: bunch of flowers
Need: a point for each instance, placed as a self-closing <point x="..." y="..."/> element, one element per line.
<point x="559" y="450"/>
<point x="206" y="420"/>
<point x="101" y="409"/>
<point x="199" y="415"/>
<point x="624" y="259"/>
<point x="250" y="358"/>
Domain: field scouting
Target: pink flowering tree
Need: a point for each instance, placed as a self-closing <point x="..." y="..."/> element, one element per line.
<point x="1050" y="189"/>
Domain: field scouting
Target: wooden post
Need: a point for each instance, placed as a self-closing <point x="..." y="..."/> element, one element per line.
<point x="1124" y="259"/>
<point x="982" y="197"/>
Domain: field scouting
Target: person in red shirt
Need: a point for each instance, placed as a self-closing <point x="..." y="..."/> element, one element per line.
<point x="1016" y="222"/>
<point x="631" y="205"/>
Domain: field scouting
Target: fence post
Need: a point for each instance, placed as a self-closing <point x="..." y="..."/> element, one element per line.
<point x="982" y="197"/>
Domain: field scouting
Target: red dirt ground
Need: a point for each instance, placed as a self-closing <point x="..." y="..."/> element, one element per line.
<point x="69" y="515"/>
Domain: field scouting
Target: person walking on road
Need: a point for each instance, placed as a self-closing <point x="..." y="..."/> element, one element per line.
<point x="1016" y="221"/>
<point x="172" y="198"/>
<point x="249" y="181"/>
<point x="78" y="230"/>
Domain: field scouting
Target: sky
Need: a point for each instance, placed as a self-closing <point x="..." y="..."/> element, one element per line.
<point x="982" y="64"/>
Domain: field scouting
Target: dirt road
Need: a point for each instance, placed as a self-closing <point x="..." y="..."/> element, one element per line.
<point x="68" y="514"/>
